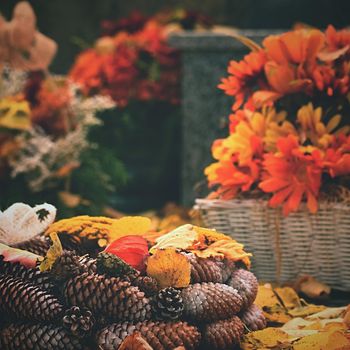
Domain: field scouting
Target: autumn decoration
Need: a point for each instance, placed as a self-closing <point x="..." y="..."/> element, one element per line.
<point x="288" y="132"/>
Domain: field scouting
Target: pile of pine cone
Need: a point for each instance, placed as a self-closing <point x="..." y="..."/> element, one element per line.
<point x="87" y="302"/>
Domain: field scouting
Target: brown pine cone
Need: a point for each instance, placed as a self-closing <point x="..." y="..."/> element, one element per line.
<point x="24" y="300"/>
<point x="204" y="270"/>
<point x="246" y="284"/>
<point x="35" y="276"/>
<point x="160" y="335"/>
<point x="37" y="337"/>
<point x="146" y="284"/>
<point x="206" y="302"/>
<point x="89" y="263"/>
<point x="111" y="298"/>
<point x="227" y="268"/>
<point x="223" y="335"/>
<point x="38" y="245"/>
<point x="253" y="318"/>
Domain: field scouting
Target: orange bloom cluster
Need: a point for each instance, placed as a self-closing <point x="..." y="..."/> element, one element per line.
<point x="131" y="65"/>
<point x="289" y="127"/>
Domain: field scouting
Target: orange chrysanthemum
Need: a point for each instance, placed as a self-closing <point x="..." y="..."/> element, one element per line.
<point x="231" y="178"/>
<point x="243" y="78"/>
<point x="292" y="176"/>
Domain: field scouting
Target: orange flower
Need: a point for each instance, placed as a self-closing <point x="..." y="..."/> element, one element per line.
<point x="290" y="56"/>
<point x="244" y="75"/>
<point x="231" y="179"/>
<point x="292" y="175"/>
<point x="338" y="44"/>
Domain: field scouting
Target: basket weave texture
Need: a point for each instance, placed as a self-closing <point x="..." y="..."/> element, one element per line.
<point x="287" y="247"/>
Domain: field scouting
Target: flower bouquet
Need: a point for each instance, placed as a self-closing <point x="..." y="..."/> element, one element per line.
<point x="46" y="147"/>
<point x="133" y="63"/>
<point x="123" y="286"/>
<point x="288" y="149"/>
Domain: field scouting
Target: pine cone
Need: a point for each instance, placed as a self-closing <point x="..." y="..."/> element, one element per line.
<point x="113" y="266"/>
<point x="24" y="300"/>
<point x="78" y="321"/>
<point x="223" y="335"/>
<point x="38" y="245"/>
<point x="206" y="302"/>
<point x="109" y="297"/>
<point x="35" y="276"/>
<point x="160" y="335"/>
<point x="88" y="263"/>
<point x="204" y="270"/>
<point x="253" y="318"/>
<point x="37" y="337"/>
<point x="168" y="304"/>
<point x="227" y="268"/>
<point x="146" y="284"/>
<point x="67" y="266"/>
<point x="246" y="284"/>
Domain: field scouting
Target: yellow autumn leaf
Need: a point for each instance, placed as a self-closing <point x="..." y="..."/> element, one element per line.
<point x="52" y="254"/>
<point x="306" y="310"/>
<point x="229" y="249"/>
<point x="14" y="114"/>
<point x="288" y="296"/>
<point x="183" y="237"/>
<point x="169" y="268"/>
<point x="211" y="235"/>
<point x="265" y="339"/>
<point x="331" y="340"/>
<point x="130" y="225"/>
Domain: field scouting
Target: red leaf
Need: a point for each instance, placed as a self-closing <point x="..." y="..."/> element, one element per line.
<point x="13" y="255"/>
<point x="132" y="249"/>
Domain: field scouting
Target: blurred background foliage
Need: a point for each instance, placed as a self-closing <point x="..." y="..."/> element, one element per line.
<point x="75" y="24"/>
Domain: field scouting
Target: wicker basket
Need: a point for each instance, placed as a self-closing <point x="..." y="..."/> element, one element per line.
<point x="285" y="247"/>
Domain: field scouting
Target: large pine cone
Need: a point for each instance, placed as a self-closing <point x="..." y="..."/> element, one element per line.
<point x="160" y="335"/>
<point x="246" y="284"/>
<point x="37" y="337"/>
<point x="24" y="300"/>
<point x="206" y="302"/>
<point x="204" y="270"/>
<point x="35" y="276"/>
<point x="146" y="284"/>
<point x="223" y="335"/>
<point x="109" y="297"/>
<point x="253" y="318"/>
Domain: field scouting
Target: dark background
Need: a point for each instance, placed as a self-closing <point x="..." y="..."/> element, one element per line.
<point x="75" y="23"/>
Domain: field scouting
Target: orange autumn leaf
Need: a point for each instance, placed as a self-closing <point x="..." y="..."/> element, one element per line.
<point x="135" y="341"/>
<point x="223" y="248"/>
<point x="211" y="235"/>
<point x="169" y="268"/>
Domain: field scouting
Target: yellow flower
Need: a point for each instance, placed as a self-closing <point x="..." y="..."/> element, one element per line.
<point x="312" y="127"/>
<point x="265" y="126"/>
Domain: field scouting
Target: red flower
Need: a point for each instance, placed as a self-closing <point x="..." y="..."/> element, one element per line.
<point x="244" y="75"/>
<point x="291" y="176"/>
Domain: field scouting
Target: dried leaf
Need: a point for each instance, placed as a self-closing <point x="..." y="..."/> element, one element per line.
<point x="346" y="319"/>
<point x="229" y="249"/>
<point x="23" y="257"/>
<point x="326" y="313"/>
<point x="14" y="114"/>
<point x="210" y="235"/>
<point x="130" y="225"/>
<point x="265" y="339"/>
<point x="169" y="268"/>
<point x="52" y="254"/>
<point x="306" y="310"/>
<point x="184" y="237"/>
<point x="288" y="297"/>
<point x="331" y="340"/>
<point x="311" y="287"/>
<point x="134" y="341"/>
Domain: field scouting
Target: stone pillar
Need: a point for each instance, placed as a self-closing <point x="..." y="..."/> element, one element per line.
<point x="205" y="108"/>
